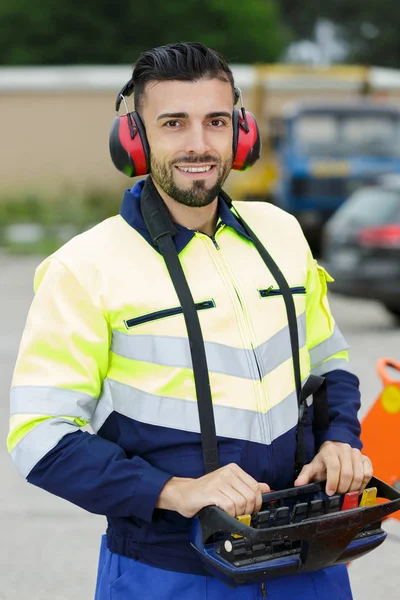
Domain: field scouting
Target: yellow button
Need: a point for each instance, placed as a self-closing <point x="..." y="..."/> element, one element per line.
<point x="246" y="519"/>
<point x="368" y="497"/>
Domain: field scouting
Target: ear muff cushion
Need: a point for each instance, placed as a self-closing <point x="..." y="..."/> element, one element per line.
<point x="143" y="137"/>
<point x="129" y="155"/>
<point x="246" y="145"/>
<point x="119" y="155"/>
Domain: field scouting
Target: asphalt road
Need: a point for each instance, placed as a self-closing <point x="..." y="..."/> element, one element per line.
<point x="49" y="548"/>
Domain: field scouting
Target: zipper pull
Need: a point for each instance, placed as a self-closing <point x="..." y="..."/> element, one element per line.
<point x="215" y="242"/>
<point x="263" y="590"/>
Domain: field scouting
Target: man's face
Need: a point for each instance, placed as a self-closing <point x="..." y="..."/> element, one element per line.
<point x="189" y="129"/>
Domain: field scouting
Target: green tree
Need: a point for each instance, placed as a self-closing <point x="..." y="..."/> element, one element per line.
<point x="103" y="32"/>
<point x="369" y="27"/>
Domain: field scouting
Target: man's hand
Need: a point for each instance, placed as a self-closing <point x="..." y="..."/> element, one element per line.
<point x="229" y="488"/>
<point x="344" y="468"/>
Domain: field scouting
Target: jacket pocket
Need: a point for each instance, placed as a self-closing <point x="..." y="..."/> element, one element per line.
<point x="270" y="292"/>
<point x="166" y="312"/>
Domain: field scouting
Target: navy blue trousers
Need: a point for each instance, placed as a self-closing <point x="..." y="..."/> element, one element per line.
<point x="122" y="578"/>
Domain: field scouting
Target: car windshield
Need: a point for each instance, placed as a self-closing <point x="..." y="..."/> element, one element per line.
<point x="348" y="133"/>
<point x="369" y="206"/>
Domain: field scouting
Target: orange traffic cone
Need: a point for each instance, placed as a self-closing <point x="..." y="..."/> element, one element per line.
<point x="380" y="429"/>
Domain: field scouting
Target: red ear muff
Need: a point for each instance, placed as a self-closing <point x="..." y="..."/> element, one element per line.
<point x="246" y="140"/>
<point x="129" y="148"/>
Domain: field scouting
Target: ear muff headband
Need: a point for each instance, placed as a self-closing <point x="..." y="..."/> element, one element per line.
<point x="130" y="151"/>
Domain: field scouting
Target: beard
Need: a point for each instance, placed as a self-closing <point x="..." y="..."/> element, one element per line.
<point x="198" y="194"/>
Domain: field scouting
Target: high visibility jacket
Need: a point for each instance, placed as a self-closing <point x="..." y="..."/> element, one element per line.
<point x="105" y="344"/>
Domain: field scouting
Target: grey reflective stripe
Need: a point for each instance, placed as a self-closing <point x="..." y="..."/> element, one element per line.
<point x="104" y="407"/>
<point x="175" y="413"/>
<point x="175" y="352"/>
<point x="57" y="402"/>
<point x="335" y="343"/>
<point x="38" y="442"/>
<point x="277" y="349"/>
<point x="331" y="365"/>
<point x="284" y="416"/>
<point x="238" y="362"/>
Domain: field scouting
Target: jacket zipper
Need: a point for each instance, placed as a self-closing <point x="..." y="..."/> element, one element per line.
<point x="167" y="312"/>
<point x="271" y="292"/>
<point x="263" y="590"/>
<point x="238" y="297"/>
<point x="214" y="241"/>
<point x="233" y="286"/>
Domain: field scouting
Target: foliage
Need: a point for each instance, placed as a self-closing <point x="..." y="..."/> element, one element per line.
<point x="104" y="32"/>
<point x="57" y="219"/>
<point x="43" y="247"/>
<point x="50" y="32"/>
<point x="78" y="211"/>
<point x="369" y="27"/>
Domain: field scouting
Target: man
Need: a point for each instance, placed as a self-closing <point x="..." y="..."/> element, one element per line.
<point x="106" y="343"/>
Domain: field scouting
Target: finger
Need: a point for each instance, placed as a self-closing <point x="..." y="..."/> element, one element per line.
<point x="233" y="472"/>
<point x="252" y="497"/>
<point x="358" y="470"/>
<point x="368" y="471"/>
<point x="234" y="502"/>
<point x="225" y="503"/>
<point x="332" y="464"/>
<point x="345" y="459"/>
<point x="257" y="487"/>
<point x="246" y="478"/>
<point x="313" y="471"/>
<point x="264" y="487"/>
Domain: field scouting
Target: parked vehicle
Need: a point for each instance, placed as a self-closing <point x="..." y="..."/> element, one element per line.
<point x="361" y="245"/>
<point x="328" y="151"/>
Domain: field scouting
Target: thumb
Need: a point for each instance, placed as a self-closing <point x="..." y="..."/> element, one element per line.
<point x="307" y="474"/>
<point x="264" y="488"/>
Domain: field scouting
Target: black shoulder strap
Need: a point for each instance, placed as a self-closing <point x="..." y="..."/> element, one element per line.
<point x="162" y="230"/>
<point x="287" y="297"/>
<point x="313" y="383"/>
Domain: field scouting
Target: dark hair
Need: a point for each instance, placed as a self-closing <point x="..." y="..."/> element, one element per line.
<point x="189" y="61"/>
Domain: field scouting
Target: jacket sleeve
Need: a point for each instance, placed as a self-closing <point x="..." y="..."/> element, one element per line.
<point x="328" y="351"/>
<point x="60" y="369"/>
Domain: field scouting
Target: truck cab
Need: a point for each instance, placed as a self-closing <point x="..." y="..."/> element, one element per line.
<point x="327" y="150"/>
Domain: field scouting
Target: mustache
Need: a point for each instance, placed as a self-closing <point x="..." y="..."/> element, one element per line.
<point x="192" y="160"/>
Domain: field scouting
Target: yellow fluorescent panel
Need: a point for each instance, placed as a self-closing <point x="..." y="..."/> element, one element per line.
<point x="20" y="425"/>
<point x="42" y="373"/>
<point x="179" y="383"/>
<point x="227" y="390"/>
<point x="280" y="382"/>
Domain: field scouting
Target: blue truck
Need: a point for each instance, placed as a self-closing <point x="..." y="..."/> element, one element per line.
<point x="326" y="151"/>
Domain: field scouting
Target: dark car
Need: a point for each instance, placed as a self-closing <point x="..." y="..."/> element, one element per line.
<point x="361" y="245"/>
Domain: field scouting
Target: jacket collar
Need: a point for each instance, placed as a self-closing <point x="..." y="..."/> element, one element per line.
<point x="131" y="213"/>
